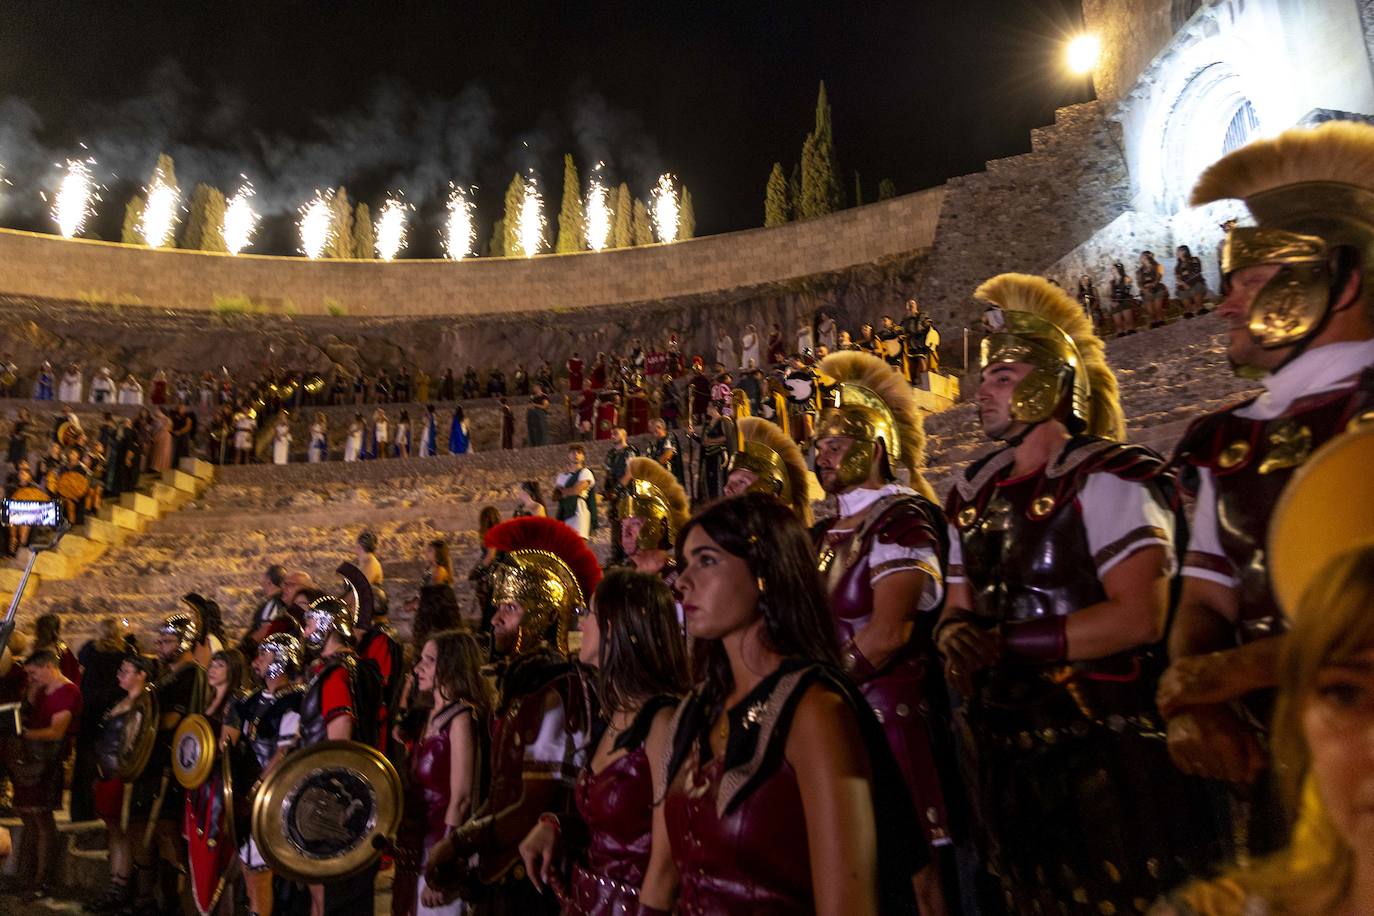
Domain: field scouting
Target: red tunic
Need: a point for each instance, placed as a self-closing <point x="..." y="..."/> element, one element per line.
<point x="606" y="418"/>
<point x="637" y="414"/>
<point x="574" y="375"/>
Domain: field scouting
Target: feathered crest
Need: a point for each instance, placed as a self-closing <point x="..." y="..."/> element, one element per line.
<point x="771" y="437"/>
<point x="551" y="535"/>
<point x="1337" y="151"/>
<point x="1040" y="297"/>
<point x="662" y="480"/>
<point x="877" y="376"/>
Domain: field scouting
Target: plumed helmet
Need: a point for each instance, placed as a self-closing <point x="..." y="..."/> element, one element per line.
<point x="867" y="402"/>
<point x="1035" y="322"/>
<point x="288" y="655"/>
<point x="1310" y="190"/>
<point x="654" y="496"/>
<point x="548" y="570"/>
<point x="183" y="627"/>
<point x="776" y="461"/>
<point x="330" y="614"/>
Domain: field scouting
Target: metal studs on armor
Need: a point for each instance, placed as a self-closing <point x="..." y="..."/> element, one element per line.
<point x="1233" y="454"/>
<point x="1042" y="507"/>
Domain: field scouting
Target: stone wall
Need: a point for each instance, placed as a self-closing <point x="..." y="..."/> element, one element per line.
<point x="142" y="340"/>
<point x="1025" y="212"/>
<point x="1131" y="34"/>
<point x="58" y="269"/>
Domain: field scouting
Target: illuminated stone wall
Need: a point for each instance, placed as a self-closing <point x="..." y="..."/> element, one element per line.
<point x="55" y="269"/>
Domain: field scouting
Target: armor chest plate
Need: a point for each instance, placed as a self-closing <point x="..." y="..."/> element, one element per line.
<point x="264" y="729"/>
<point x="617" y="805"/>
<point x="844" y="570"/>
<point x="1252" y="462"/>
<point x="1026" y="552"/>
<point x="314" y="728"/>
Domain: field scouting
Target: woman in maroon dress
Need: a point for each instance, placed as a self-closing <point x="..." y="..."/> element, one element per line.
<point x="51" y="717"/>
<point x="445" y="764"/>
<point x="782" y="795"/>
<point x="611" y="841"/>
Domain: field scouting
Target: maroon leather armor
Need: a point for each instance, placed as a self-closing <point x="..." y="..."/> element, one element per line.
<point x="430" y="767"/>
<point x="725" y="865"/>
<point x="616" y="805"/>
<point x="900" y="692"/>
<point x="1251" y="461"/>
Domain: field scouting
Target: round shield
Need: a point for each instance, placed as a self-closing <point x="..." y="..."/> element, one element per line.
<point x="140" y="733"/>
<point x="327" y="811"/>
<point x="193" y="751"/>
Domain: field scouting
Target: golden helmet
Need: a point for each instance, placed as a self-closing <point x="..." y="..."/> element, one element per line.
<point x="654" y="496"/>
<point x="1311" y="190"/>
<point x="547" y="569"/>
<point x="776" y="461"/>
<point x="870" y="402"/>
<point x="1035" y="322"/>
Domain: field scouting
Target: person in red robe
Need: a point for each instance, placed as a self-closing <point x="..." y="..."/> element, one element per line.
<point x="575" y="373"/>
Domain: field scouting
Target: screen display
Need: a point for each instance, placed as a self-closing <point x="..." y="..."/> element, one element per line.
<point x="37" y="513"/>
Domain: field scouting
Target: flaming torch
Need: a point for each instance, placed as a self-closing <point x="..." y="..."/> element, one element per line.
<point x="71" y="206"/>
<point x="459" y="230"/>
<point x="159" y="212"/>
<point x="663" y="208"/>
<point x="530" y="227"/>
<point x="240" y="220"/>
<point x="391" y="229"/>
<point x="316" y="226"/>
<point x="598" y="212"/>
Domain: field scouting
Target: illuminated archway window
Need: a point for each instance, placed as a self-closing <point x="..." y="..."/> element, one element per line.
<point x="1244" y="125"/>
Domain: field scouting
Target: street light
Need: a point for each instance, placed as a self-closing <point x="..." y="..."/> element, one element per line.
<point x="1082" y="53"/>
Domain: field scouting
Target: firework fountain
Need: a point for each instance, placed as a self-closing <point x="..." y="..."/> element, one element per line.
<point x="391" y="228"/>
<point x="240" y="220"/>
<point x="663" y="208"/>
<point x="598" y="212"/>
<point x="530" y="227"/>
<point x="316" y="225"/>
<point x="73" y="203"/>
<point x="158" y="222"/>
<point x="459" y="229"/>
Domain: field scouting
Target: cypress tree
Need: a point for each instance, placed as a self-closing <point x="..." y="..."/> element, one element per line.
<point x="364" y="239"/>
<point x="686" y="215"/>
<point x="572" y="228"/>
<point x="622" y="231"/>
<point x="133" y="212"/>
<point x="166" y="170"/>
<point x="496" y="248"/>
<point x="775" y="208"/>
<point x="858" y="191"/>
<point x="642" y="229"/>
<point x="794" y="192"/>
<point x="886" y="189"/>
<point x="204" y="230"/>
<point x="820" y="192"/>
<point x="341" y="245"/>
<point x="510" y="224"/>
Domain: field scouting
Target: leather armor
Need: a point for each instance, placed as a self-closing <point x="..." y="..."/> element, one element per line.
<point x="1251" y="461"/>
<point x="907" y="692"/>
<point x="616" y="804"/>
<point x="314" y="727"/>
<point x="263" y="729"/>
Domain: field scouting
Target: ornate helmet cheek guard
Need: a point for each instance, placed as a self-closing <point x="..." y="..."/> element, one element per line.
<point x="776" y="461"/>
<point x="183" y="627"/>
<point x="654" y="497"/>
<point x="287" y="654"/>
<point x="1311" y="190"/>
<point x="1056" y="365"/>
<point x="329" y="614"/>
<point x="547" y="569"/>
<point x="857" y="413"/>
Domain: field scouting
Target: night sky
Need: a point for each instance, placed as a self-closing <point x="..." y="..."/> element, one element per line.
<point x="377" y="96"/>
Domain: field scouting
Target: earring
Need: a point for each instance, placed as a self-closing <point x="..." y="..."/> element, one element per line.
<point x="760" y="584"/>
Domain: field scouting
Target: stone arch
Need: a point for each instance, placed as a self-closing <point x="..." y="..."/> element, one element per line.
<point x="1213" y="115"/>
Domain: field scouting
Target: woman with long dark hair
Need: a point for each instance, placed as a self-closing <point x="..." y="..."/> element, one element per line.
<point x="447" y="761"/>
<point x="611" y="842"/>
<point x="781" y="794"/>
<point x="439" y="570"/>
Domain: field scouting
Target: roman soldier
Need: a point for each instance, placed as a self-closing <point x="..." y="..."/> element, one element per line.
<point x="267" y="721"/>
<point x="800" y="384"/>
<point x="545" y="576"/>
<point x="636" y="407"/>
<point x="890" y="343"/>
<point x="379" y="643"/>
<point x="339" y="703"/>
<point x="607" y="412"/>
<point x="574" y="372"/>
<point x="1300" y="311"/>
<point x="652" y="508"/>
<point x="1061" y="554"/>
<point x="698" y="392"/>
<point x="157" y="801"/>
<point x="617" y="471"/>
<point x="597" y="380"/>
<point x="882" y="561"/>
<point x="586" y="413"/>
<point x="768" y="461"/>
